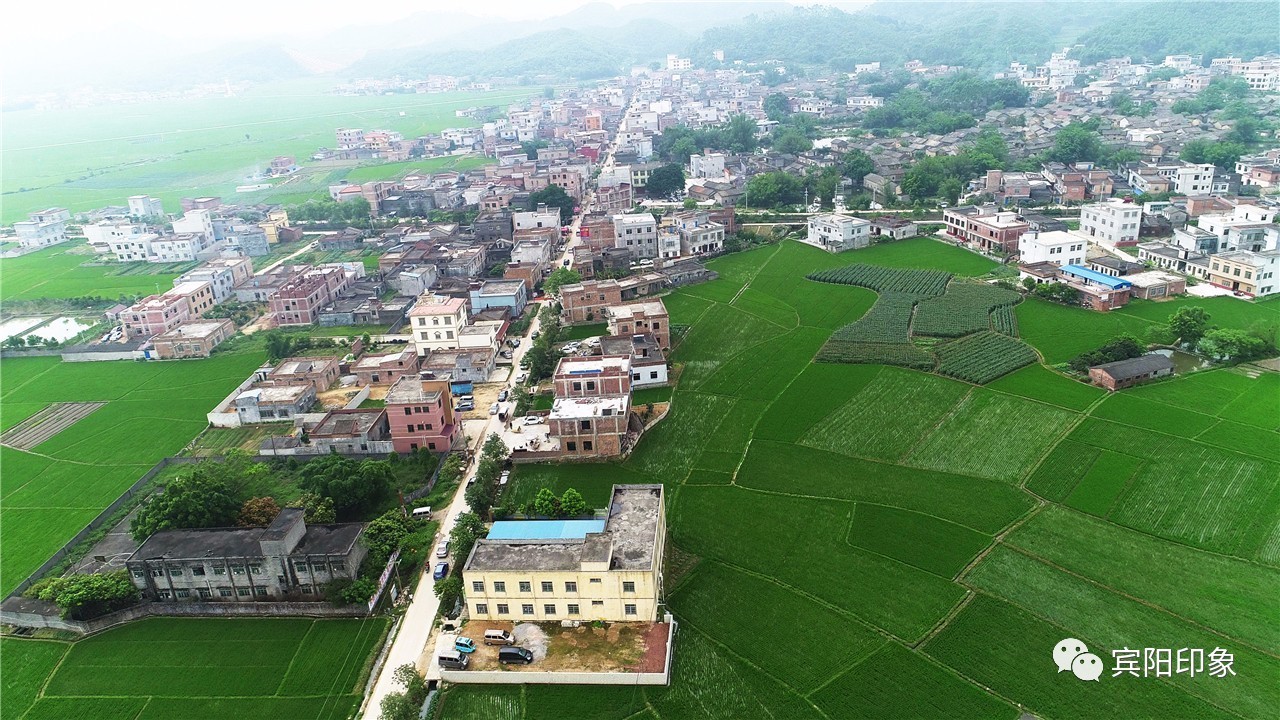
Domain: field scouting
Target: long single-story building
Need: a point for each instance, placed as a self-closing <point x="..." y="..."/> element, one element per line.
<point x="1127" y="373"/>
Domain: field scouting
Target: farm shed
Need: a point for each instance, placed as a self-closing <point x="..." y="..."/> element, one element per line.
<point x="1127" y="373"/>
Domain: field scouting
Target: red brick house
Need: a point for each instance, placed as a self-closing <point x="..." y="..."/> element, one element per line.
<point x="420" y="414"/>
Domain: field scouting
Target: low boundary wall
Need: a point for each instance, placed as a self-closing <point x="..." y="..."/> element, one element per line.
<point x="188" y="609"/>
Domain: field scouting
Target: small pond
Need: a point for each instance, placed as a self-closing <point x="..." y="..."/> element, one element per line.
<point x="1184" y="362"/>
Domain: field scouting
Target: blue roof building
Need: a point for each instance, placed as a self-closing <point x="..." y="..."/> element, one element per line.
<point x="1087" y="276"/>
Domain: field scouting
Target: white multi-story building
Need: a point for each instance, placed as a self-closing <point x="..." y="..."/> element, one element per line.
<point x="540" y="218"/>
<point x="1246" y="227"/>
<point x="141" y="206"/>
<point x="182" y="247"/>
<point x="675" y="62"/>
<point x="198" y="222"/>
<point x="698" y="235"/>
<point x="1055" y="246"/>
<point x="222" y="274"/>
<point x="436" y="323"/>
<point x="1112" y="222"/>
<point x="102" y="235"/>
<point x="637" y="232"/>
<point x="1193" y="179"/>
<point x="707" y="165"/>
<point x="837" y="233"/>
<point x="44" y="228"/>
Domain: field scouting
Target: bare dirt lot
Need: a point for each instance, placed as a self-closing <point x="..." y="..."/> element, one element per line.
<point x="612" y="647"/>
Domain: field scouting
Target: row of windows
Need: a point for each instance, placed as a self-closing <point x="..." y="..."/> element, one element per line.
<point x="206" y="593"/>
<point x="413" y="409"/>
<point x="220" y="570"/>
<point x="570" y="586"/>
<point x="653" y="375"/>
<point x="549" y="609"/>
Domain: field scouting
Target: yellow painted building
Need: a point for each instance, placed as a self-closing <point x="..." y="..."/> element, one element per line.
<point x="612" y="574"/>
<point x="1244" y="271"/>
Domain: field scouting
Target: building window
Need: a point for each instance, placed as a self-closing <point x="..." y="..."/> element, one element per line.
<point x="572" y="609"/>
<point x="197" y="570"/>
<point x="477" y="586"/>
<point x="259" y="591"/>
<point x="139" y="574"/>
<point x="587" y="446"/>
<point x="164" y="594"/>
<point x="184" y="593"/>
<point x="597" y="603"/>
<point x="499" y="586"/>
<point x="573" y="446"/>
<point x="255" y="569"/>
<point x="503" y="609"/>
<point x="571" y="586"/>
<point x="157" y="572"/>
<point x="526" y="586"/>
<point x="307" y="590"/>
<point x="628" y="586"/>
<point x="205" y="593"/>
<point x="219" y="570"/>
<point x="482" y="608"/>
<point x="299" y="566"/>
<point x="175" y="571"/>
<point x="594" y="581"/>
<point x="547" y="586"/>
<point x="584" y="424"/>
<point x="527" y="609"/>
<point x="577" y="386"/>
<point x="242" y="592"/>
<point x="629" y="609"/>
<point x="549" y="609"/>
<point x="225" y="592"/>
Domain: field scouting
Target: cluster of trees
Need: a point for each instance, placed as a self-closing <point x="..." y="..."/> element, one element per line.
<point x="281" y="345"/>
<point x="665" y="180"/>
<point x="570" y="504"/>
<point x="1192" y="328"/>
<point x="944" y="176"/>
<point x="331" y="211"/>
<point x="774" y="190"/>
<point x="1183" y="28"/>
<point x="221" y="494"/>
<point x="1124" y="104"/>
<point x="1122" y="347"/>
<point x="482" y="494"/>
<point x="945" y="104"/>
<point x="554" y="196"/>
<point x="1053" y="292"/>
<point x="237" y="312"/>
<point x="86" y="596"/>
<point x="544" y="353"/>
<point x="558" y="278"/>
<point x="1220" y="93"/>
<point x="406" y="705"/>
<point x="677" y="143"/>
<point x="1221" y="153"/>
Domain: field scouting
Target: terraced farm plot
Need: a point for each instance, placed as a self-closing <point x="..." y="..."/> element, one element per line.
<point x="1256" y="406"/>
<point x="897" y="683"/>
<point x="991" y="435"/>
<point x="1208" y="392"/>
<point x="764" y="371"/>
<point x="1103" y="483"/>
<point x="725" y="603"/>
<point x="63" y="271"/>
<point x="46" y="423"/>
<point x="1087" y="610"/>
<point x="1062" y="469"/>
<point x="723" y="332"/>
<point x="901" y="354"/>
<point x="983" y="505"/>
<point x="1132" y="410"/>
<point x="767" y="307"/>
<point x="670" y="449"/>
<point x="24" y="667"/>
<point x="921" y="283"/>
<point x="1241" y="438"/>
<point x="888" y="417"/>
<point x="1038" y="382"/>
<point x="1198" y="494"/>
<point x="1226" y="594"/>
<point x="918" y="540"/>
<point x="483" y="702"/>
<point x="1007" y="650"/>
<point x="965" y="308"/>
<point x="259" y="668"/>
<point x="888" y="321"/>
<point x="983" y="357"/>
<point x="813" y="394"/>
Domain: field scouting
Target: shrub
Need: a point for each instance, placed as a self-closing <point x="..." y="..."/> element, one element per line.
<point x="83" y="597"/>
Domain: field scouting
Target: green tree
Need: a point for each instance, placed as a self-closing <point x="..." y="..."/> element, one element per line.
<point x="449" y="590"/>
<point x="560" y="277"/>
<point x="690" y="204"/>
<point x="279" y="346"/>
<point x="384" y="534"/>
<point x="494" y="447"/>
<point x="741" y="133"/>
<point x="468" y="528"/>
<point x="1232" y="345"/>
<point x="191" y="501"/>
<point x="681" y="150"/>
<point x="554" y="196"/>
<point x="546" y="503"/>
<point x="1075" y="143"/>
<point x="775" y="189"/>
<point x="353" y="486"/>
<point x="85" y="596"/>
<point x="316" y="509"/>
<point x="452" y="469"/>
<point x="950" y="190"/>
<point x="258" y="512"/>
<point x="665" y="180"/>
<point x="777" y="106"/>
<point x="856" y="165"/>
<point x="572" y="504"/>
<point x="792" y="142"/>
<point x="1189" y="323"/>
<point x="479" y="496"/>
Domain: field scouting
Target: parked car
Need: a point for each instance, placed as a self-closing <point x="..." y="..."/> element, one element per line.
<point x="503" y="395"/>
<point x="493" y="409"/>
<point x="504" y="477"/>
<point x="464" y="645"/>
<point x="422" y="513"/>
<point x="464" y="407"/>
<point x="514" y="342"/>
<point x="567" y="261"/>
<point x="521" y="376"/>
<point x="441" y="572"/>
<point x="532" y="420"/>
<point x="512" y="655"/>
<point x="453" y="660"/>
<point x="507" y="354"/>
<point x="498" y="637"/>
<point x="536" y="334"/>
<point x="442" y="550"/>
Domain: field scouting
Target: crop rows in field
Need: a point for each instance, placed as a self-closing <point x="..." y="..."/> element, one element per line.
<point x="901" y="354"/>
<point x="983" y="357"/>
<point x="888" y="321"/>
<point x="925" y="283"/>
<point x="965" y="308"/>
<point x="1003" y="320"/>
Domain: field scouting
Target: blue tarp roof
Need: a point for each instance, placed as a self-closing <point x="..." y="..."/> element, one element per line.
<point x="1114" y="283"/>
<point x="544" y="529"/>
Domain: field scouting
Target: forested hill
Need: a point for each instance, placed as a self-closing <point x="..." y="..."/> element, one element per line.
<point x="988" y="35"/>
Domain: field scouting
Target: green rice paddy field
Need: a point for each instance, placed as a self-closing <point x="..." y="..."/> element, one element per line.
<point x="876" y="542"/>
<point x="191" y="147"/>
<point x="197" y="668"/>
<point x="62" y="272"/>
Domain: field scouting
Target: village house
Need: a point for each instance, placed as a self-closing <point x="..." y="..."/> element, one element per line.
<point x="591" y="414"/>
<point x="352" y="431"/>
<point x="298" y="300"/>
<point x="1057" y="247"/>
<point x="287" y="558"/>
<point x="1113" y="223"/>
<point x="318" y="372"/>
<point x="893" y="227"/>
<point x="222" y="274"/>
<point x="1097" y="291"/>
<point x="649" y="316"/>
<point x="420" y="413"/>
<point x="602" y="569"/>
<point x="1127" y="373"/>
<point x="986" y="229"/>
<point x="158" y="314"/>
<point x="44" y="228"/>
<point x="435" y="322"/>
<point x="509" y="295"/>
<point x="386" y="368"/>
<point x="837" y="233"/>
<point x="281" y="403"/>
<point x="192" y="340"/>
<point x="648" y="361"/>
